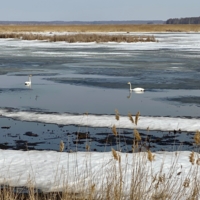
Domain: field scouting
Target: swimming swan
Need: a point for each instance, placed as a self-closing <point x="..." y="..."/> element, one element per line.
<point x="28" y="83"/>
<point x="136" y="89"/>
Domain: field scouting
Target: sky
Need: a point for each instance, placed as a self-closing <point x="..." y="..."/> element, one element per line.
<point x="96" y="10"/>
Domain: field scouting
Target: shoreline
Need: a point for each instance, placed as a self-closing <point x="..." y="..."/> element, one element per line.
<point x="16" y="135"/>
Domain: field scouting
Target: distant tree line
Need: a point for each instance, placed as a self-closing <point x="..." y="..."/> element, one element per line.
<point x="187" y="20"/>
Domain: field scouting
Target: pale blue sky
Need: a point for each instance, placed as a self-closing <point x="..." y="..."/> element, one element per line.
<point x="94" y="10"/>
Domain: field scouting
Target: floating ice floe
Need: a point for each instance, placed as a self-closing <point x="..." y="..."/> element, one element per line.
<point x="150" y="122"/>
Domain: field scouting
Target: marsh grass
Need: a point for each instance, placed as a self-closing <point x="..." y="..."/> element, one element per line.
<point x="101" y="28"/>
<point x="144" y="184"/>
<point x="80" y="37"/>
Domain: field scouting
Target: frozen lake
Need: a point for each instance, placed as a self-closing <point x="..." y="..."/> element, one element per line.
<point x="92" y="78"/>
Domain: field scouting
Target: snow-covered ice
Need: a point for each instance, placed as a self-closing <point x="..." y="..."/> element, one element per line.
<point x="153" y="123"/>
<point x="51" y="171"/>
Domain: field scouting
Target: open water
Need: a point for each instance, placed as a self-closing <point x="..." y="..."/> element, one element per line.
<point x="92" y="78"/>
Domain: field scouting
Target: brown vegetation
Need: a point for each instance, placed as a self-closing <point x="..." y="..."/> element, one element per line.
<point x="91" y="33"/>
<point x="89" y="37"/>
<point x="101" y="28"/>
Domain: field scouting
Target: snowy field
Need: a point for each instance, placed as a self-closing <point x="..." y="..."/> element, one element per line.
<point x="53" y="171"/>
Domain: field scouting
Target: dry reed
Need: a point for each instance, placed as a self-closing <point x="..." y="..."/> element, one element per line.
<point x="137" y="117"/>
<point x="192" y="158"/>
<point x="137" y="135"/>
<point x="116" y="114"/>
<point x="150" y="156"/>
<point x="130" y="117"/>
<point x="115" y="154"/>
<point x="198" y="161"/>
<point x="62" y="146"/>
<point x="197" y="138"/>
<point x="114" y="130"/>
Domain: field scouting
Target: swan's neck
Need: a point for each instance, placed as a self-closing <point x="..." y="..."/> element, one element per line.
<point x="130" y="86"/>
<point x="29" y="79"/>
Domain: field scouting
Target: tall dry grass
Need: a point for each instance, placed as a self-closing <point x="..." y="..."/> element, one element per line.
<point x="102" y="28"/>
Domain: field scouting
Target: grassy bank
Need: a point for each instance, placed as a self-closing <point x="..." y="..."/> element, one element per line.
<point x="91" y="33"/>
<point x="101" y="28"/>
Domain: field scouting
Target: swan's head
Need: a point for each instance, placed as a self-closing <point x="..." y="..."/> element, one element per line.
<point x="30" y="75"/>
<point x="129" y="83"/>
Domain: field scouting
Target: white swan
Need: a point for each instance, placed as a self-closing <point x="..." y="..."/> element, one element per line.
<point x="28" y="83"/>
<point x="139" y="90"/>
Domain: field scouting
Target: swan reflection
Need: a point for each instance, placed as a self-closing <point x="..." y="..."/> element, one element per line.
<point x="129" y="96"/>
<point x="137" y="92"/>
<point x="28" y="86"/>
